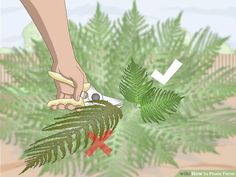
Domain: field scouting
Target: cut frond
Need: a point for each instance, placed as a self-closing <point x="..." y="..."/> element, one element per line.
<point x="74" y="128"/>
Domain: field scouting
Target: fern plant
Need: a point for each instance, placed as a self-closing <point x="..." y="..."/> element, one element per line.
<point x="100" y="118"/>
<point x="135" y="144"/>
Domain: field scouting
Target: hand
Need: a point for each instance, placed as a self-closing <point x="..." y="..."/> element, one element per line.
<point x="71" y="71"/>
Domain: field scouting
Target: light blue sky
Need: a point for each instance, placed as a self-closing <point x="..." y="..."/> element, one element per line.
<point x="220" y="15"/>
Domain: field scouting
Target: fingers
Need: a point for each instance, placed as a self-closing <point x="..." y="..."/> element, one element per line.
<point x="60" y="95"/>
<point x="69" y="106"/>
<point x="73" y="90"/>
<point x="78" y="83"/>
<point x="62" y="106"/>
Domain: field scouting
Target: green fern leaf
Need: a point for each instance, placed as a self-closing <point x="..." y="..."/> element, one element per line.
<point x="157" y="102"/>
<point x="169" y="40"/>
<point x="129" y="31"/>
<point x="198" y="57"/>
<point x="135" y="83"/>
<point x="74" y="127"/>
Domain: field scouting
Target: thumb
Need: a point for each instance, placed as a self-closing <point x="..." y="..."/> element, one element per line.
<point x="78" y="89"/>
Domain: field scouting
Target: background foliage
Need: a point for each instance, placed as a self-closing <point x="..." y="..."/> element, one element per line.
<point x="105" y="47"/>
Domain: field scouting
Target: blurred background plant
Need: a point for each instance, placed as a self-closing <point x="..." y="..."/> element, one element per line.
<point x="104" y="48"/>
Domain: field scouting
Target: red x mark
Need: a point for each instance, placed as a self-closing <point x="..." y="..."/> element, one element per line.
<point x="99" y="142"/>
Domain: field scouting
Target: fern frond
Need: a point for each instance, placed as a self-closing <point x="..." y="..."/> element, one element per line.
<point x="210" y="90"/>
<point x="135" y="83"/>
<point x="205" y="46"/>
<point x="161" y="152"/>
<point x="168" y="39"/>
<point x="199" y="55"/>
<point x="74" y="127"/>
<point x="196" y="133"/>
<point x="129" y="155"/>
<point x="17" y="63"/>
<point x="129" y="32"/>
<point x="157" y="102"/>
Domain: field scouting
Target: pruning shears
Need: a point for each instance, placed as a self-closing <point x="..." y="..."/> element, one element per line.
<point x="89" y="94"/>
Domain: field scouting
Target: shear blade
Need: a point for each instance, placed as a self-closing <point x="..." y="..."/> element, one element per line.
<point x="93" y="94"/>
<point x="113" y="101"/>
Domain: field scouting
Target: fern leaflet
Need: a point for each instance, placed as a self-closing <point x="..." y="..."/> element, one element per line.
<point x="135" y="83"/>
<point x="157" y="102"/>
